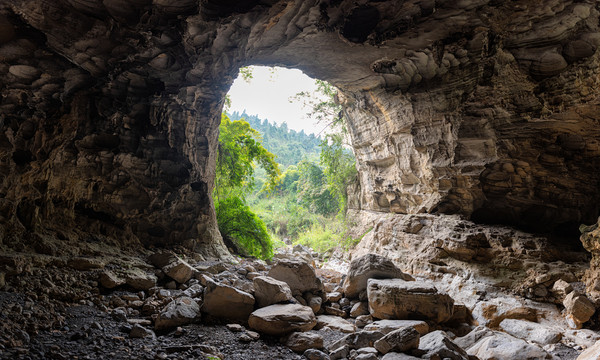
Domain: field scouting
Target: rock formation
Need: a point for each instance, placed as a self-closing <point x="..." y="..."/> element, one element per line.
<point x="110" y="109"/>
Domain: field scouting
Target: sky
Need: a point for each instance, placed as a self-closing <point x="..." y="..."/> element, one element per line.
<point x="267" y="95"/>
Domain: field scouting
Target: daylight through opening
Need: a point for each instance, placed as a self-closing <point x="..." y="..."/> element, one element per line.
<point x="283" y="165"/>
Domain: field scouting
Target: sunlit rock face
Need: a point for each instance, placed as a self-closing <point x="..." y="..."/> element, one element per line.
<point x="110" y="109"/>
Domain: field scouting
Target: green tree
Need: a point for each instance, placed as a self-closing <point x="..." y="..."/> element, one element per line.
<point x="239" y="149"/>
<point x="313" y="192"/>
<point x="339" y="168"/>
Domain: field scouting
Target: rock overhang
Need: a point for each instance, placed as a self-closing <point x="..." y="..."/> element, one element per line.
<point x="110" y="109"/>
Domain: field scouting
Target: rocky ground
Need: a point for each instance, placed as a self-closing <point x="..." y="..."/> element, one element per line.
<point x="93" y="302"/>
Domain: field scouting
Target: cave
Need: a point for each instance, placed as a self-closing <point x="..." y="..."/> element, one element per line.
<point x="462" y="115"/>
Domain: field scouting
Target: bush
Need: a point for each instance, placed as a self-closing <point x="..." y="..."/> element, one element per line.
<point x="239" y="225"/>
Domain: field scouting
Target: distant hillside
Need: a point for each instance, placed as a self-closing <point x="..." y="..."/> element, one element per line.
<point x="288" y="145"/>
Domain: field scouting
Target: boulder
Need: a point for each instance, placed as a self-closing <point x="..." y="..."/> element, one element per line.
<point x="358" y="340"/>
<point x="398" y="356"/>
<point x="399" y="299"/>
<point x="172" y="265"/>
<point x="313" y="301"/>
<point x="592" y="353"/>
<point x="531" y="331"/>
<point x="268" y="291"/>
<point x="314" y="354"/>
<point x="370" y="266"/>
<point x="139" y="279"/>
<point x="110" y="280"/>
<point x="578" y="308"/>
<point x="360" y="308"/>
<point x="281" y="319"/>
<point x="437" y="344"/>
<point x="181" y="311"/>
<point x="299" y="276"/>
<point x="561" y="289"/>
<point x="227" y="302"/>
<point x="387" y="326"/>
<point x="400" y="340"/>
<point x="504" y="346"/>
<point x="336" y="323"/>
<point x="301" y="341"/>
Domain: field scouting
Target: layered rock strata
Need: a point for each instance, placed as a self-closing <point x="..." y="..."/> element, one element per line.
<point x="110" y="109"/>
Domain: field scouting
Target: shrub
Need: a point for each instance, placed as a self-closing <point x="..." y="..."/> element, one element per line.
<point x="242" y="227"/>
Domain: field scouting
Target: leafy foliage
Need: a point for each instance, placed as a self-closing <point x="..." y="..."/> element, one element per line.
<point x="324" y="105"/>
<point x="339" y="168"/>
<point x="313" y="192"/>
<point x="290" y="146"/>
<point x="239" y="147"/>
<point x="243" y="227"/>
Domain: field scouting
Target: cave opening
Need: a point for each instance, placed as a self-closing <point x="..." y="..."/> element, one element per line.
<point x="298" y="121"/>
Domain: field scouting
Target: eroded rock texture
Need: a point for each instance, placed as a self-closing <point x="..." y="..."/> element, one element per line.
<point x="110" y="108"/>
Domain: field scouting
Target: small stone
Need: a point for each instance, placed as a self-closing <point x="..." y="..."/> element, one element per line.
<point x="561" y="289"/>
<point x="180" y="311"/>
<point x="138" y="332"/>
<point x="314" y="354"/>
<point x="139" y="279"/>
<point x="301" y="341"/>
<point x="363" y="321"/>
<point x="314" y="302"/>
<point x="335" y="322"/>
<point x="253" y="335"/>
<point x="340" y="353"/>
<point x="360" y="308"/>
<point x="235" y="327"/>
<point x="330" y="310"/>
<point x="579" y="309"/>
<point x="119" y="314"/>
<point x="334" y="296"/>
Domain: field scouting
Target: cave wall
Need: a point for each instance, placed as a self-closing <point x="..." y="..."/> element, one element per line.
<point x="110" y="109"/>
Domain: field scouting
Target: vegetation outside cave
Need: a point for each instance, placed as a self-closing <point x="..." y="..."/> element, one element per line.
<point x="306" y="202"/>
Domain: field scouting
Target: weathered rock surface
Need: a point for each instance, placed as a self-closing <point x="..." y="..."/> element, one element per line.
<point x="180" y="311"/>
<point x="487" y="344"/>
<point x="590" y="238"/>
<point x="578" y="309"/>
<point x="531" y="331"/>
<point x="400" y="340"/>
<point x="173" y="266"/>
<point x="438" y="344"/>
<point x="498" y="122"/>
<point x="268" y="291"/>
<point x="399" y="299"/>
<point x="336" y="323"/>
<point x="227" y="302"/>
<point x="301" y="341"/>
<point x="387" y="326"/>
<point x="591" y="353"/>
<point x="370" y="266"/>
<point x="282" y="319"/>
<point x="299" y="275"/>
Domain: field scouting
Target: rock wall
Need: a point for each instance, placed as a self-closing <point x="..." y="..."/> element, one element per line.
<point x="110" y="109"/>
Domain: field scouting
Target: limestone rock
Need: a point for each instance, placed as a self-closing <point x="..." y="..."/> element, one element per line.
<point x="138" y="331"/>
<point x="504" y="346"/>
<point x="561" y="289"/>
<point x="360" y="308"/>
<point x="400" y="340"/>
<point x="173" y="266"/>
<point x="302" y="341"/>
<point x="110" y="280"/>
<point x="299" y="275"/>
<point x="438" y="343"/>
<point x="398" y="356"/>
<point x="314" y="302"/>
<point x="139" y="279"/>
<point x="370" y="266"/>
<point x="387" y="326"/>
<point x="592" y="353"/>
<point x="578" y="308"/>
<point x="335" y="322"/>
<point x="181" y="311"/>
<point x="531" y="331"/>
<point x="399" y="299"/>
<point x="314" y="354"/>
<point x="85" y="264"/>
<point x="281" y="319"/>
<point x="224" y="301"/>
<point x="268" y="291"/>
<point x="357" y="340"/>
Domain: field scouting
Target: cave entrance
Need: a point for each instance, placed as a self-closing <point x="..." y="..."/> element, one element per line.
<point x="297" y="121"/>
